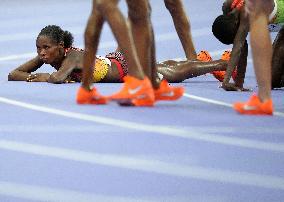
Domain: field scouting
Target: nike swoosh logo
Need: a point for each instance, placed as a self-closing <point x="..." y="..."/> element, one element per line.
<point x="249" y="108"/>
<point x="169" y="94"/>
<point x="135" y="90"/>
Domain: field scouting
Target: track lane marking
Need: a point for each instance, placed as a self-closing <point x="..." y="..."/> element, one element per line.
<point x="168" y="131"/>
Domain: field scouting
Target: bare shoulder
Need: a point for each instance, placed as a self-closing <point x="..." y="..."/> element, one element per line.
<point x="74" y="55"/>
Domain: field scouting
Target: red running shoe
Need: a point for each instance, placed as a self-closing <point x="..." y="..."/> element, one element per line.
<point x="135" y="92"/>
<point x="254" y="107"/>
<point x="220" y="75"/>
<point x="167" y="92"/>
<point x="204" y="56"/>
<point x="90" y="97"/>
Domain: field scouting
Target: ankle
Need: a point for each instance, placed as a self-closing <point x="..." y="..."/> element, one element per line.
<point x="137" y="75"/>
<point x="86" y="88"/>
<point x="264" y="98"/>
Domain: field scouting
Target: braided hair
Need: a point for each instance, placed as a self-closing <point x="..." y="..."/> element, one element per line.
<point x="58" y="35"/>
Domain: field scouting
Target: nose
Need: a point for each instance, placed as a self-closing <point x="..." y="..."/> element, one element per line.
<point x="42" y="52"/>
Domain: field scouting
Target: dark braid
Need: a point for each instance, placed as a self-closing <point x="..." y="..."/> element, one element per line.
<point x="57" y="35"/>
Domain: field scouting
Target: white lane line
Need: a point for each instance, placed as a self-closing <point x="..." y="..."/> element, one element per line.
<point x="168" y="131"/>
<point x="88" y="129"/>
<point x="41" y="193"/>
<point x="147" y="165"/>
<point x="202" y="99"/>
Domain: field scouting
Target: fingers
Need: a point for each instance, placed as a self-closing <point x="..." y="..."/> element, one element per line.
<point x="245" y="89"/>
<point x="31" y="77"/>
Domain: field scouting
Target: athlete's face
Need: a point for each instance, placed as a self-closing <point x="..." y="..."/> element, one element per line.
<point x="48" y="50"/>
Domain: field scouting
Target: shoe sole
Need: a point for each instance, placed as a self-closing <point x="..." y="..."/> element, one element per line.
<point x="135" y="102"/>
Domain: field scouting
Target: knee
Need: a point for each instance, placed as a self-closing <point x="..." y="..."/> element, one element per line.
<point x="105" y="5"/>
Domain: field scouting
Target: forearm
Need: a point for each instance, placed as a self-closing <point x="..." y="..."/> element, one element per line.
<point x="234" y="59"/>
<point x="239" y="46"/>
<point x="17" y="75"/>
<point x="241" y="68"/>
<point x="58" y="77"/>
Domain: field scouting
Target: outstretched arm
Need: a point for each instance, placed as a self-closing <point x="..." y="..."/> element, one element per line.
<point x="178" y="71"/>
<point x="242" y="66"/>
<point x="239" y="47"/>
<point x="23" y="72"/>
<point x="72" y="61"/>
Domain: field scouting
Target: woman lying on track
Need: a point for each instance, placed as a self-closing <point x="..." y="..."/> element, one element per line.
<point x="54" y="47"/>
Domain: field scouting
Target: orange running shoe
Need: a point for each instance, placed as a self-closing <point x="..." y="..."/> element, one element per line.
<point x="135" y="92"/>
<point x="226" y="55"/>
<point x="204" y="56"/>
<point x="220" y="75"/>
<point x="90" y="97"/>
<point x="254" y="106"/>
<point x="167" y="92"/>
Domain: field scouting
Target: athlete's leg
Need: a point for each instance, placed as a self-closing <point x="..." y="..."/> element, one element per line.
<point x="137" y="89"/>
<point x="139" y="18"/>
<point x="174" y="71"/>
<point x="86" y="94"/>
<point x="278" y="60"/>
<point x="92" y="36"/>
<point x="262" y="55"/>
<point x="123" y="35"/>
<point x="154" y="71"/>
<point x="261" y="48"/>
<point x="182" y="26"/>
